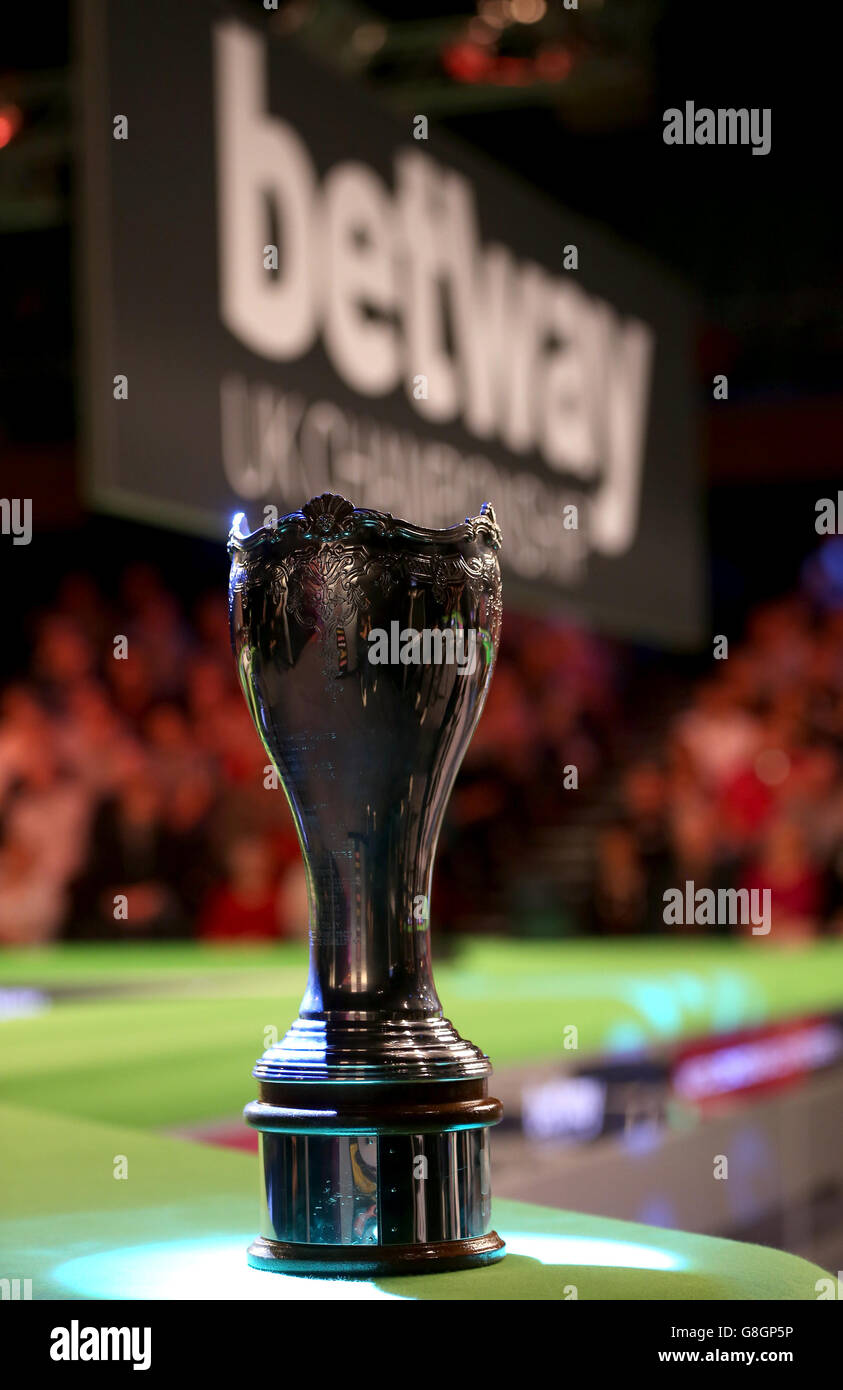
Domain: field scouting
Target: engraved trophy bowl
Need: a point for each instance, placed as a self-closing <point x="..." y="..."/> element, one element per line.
<point x="365" y="647"/>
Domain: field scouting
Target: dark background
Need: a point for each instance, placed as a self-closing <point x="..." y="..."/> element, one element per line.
<point x="753" y="236"/>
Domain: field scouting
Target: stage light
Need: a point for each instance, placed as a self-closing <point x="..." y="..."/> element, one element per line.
<point x="11" y="120"/>
<point x="466" y="62"/>
<point x="479" y="31"/>
<point x="495" y="12"/>
<point x="368" y="38"/>
<point x="526" y="11"/>
<point x="22" y="1003"/>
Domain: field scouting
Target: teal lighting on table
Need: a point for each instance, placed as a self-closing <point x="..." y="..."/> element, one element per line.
<point x="591" y="1251"/>
<point x="213" y="1268"/>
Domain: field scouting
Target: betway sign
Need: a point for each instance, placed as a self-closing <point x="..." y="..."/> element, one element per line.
<point x="391" y="321"/>
<point x="535" y="362"/>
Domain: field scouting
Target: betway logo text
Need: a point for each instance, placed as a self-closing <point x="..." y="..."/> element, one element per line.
<point x="397" y="285"/>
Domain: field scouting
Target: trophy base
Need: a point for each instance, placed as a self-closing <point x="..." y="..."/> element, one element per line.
<point x="358" y="1261"/>
<point x="374" y="1179"/>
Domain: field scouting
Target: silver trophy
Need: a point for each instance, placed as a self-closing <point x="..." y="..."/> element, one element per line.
<point x="365" y="648"/>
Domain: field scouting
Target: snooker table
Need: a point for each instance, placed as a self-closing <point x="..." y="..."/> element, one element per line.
<point x="112" y="1053"/>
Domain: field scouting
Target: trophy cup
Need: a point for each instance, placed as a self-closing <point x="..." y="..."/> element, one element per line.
<point x="365" y="647"/>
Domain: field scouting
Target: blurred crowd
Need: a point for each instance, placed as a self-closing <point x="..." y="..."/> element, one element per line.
<point x="133" y="800"/>
<point x="551" y="728"/>
<point x="744" y="789"/>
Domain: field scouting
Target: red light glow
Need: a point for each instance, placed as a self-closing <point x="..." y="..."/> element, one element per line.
<point x="11" y="119"/>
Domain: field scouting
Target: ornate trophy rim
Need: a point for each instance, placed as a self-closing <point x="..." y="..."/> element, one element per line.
<point x="331" y="517"/>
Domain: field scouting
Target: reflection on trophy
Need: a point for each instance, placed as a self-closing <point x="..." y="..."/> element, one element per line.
<point x="365" y="648"/>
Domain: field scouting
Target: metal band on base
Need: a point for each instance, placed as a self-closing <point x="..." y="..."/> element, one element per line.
<point x="379" y="1177"/>
<point x="337" y="1260"/>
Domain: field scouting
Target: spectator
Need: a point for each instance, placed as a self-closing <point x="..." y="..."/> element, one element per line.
<point x="247" y="905"/>
<point x="719" y="736"/>
<point x="189" y="861"/>
<point x="125" y="889"/>
<point x="31" y="902"/>
<point x="619" y="892"/>
<point x="50" y="813"/>
<point x="785" y="867"/>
